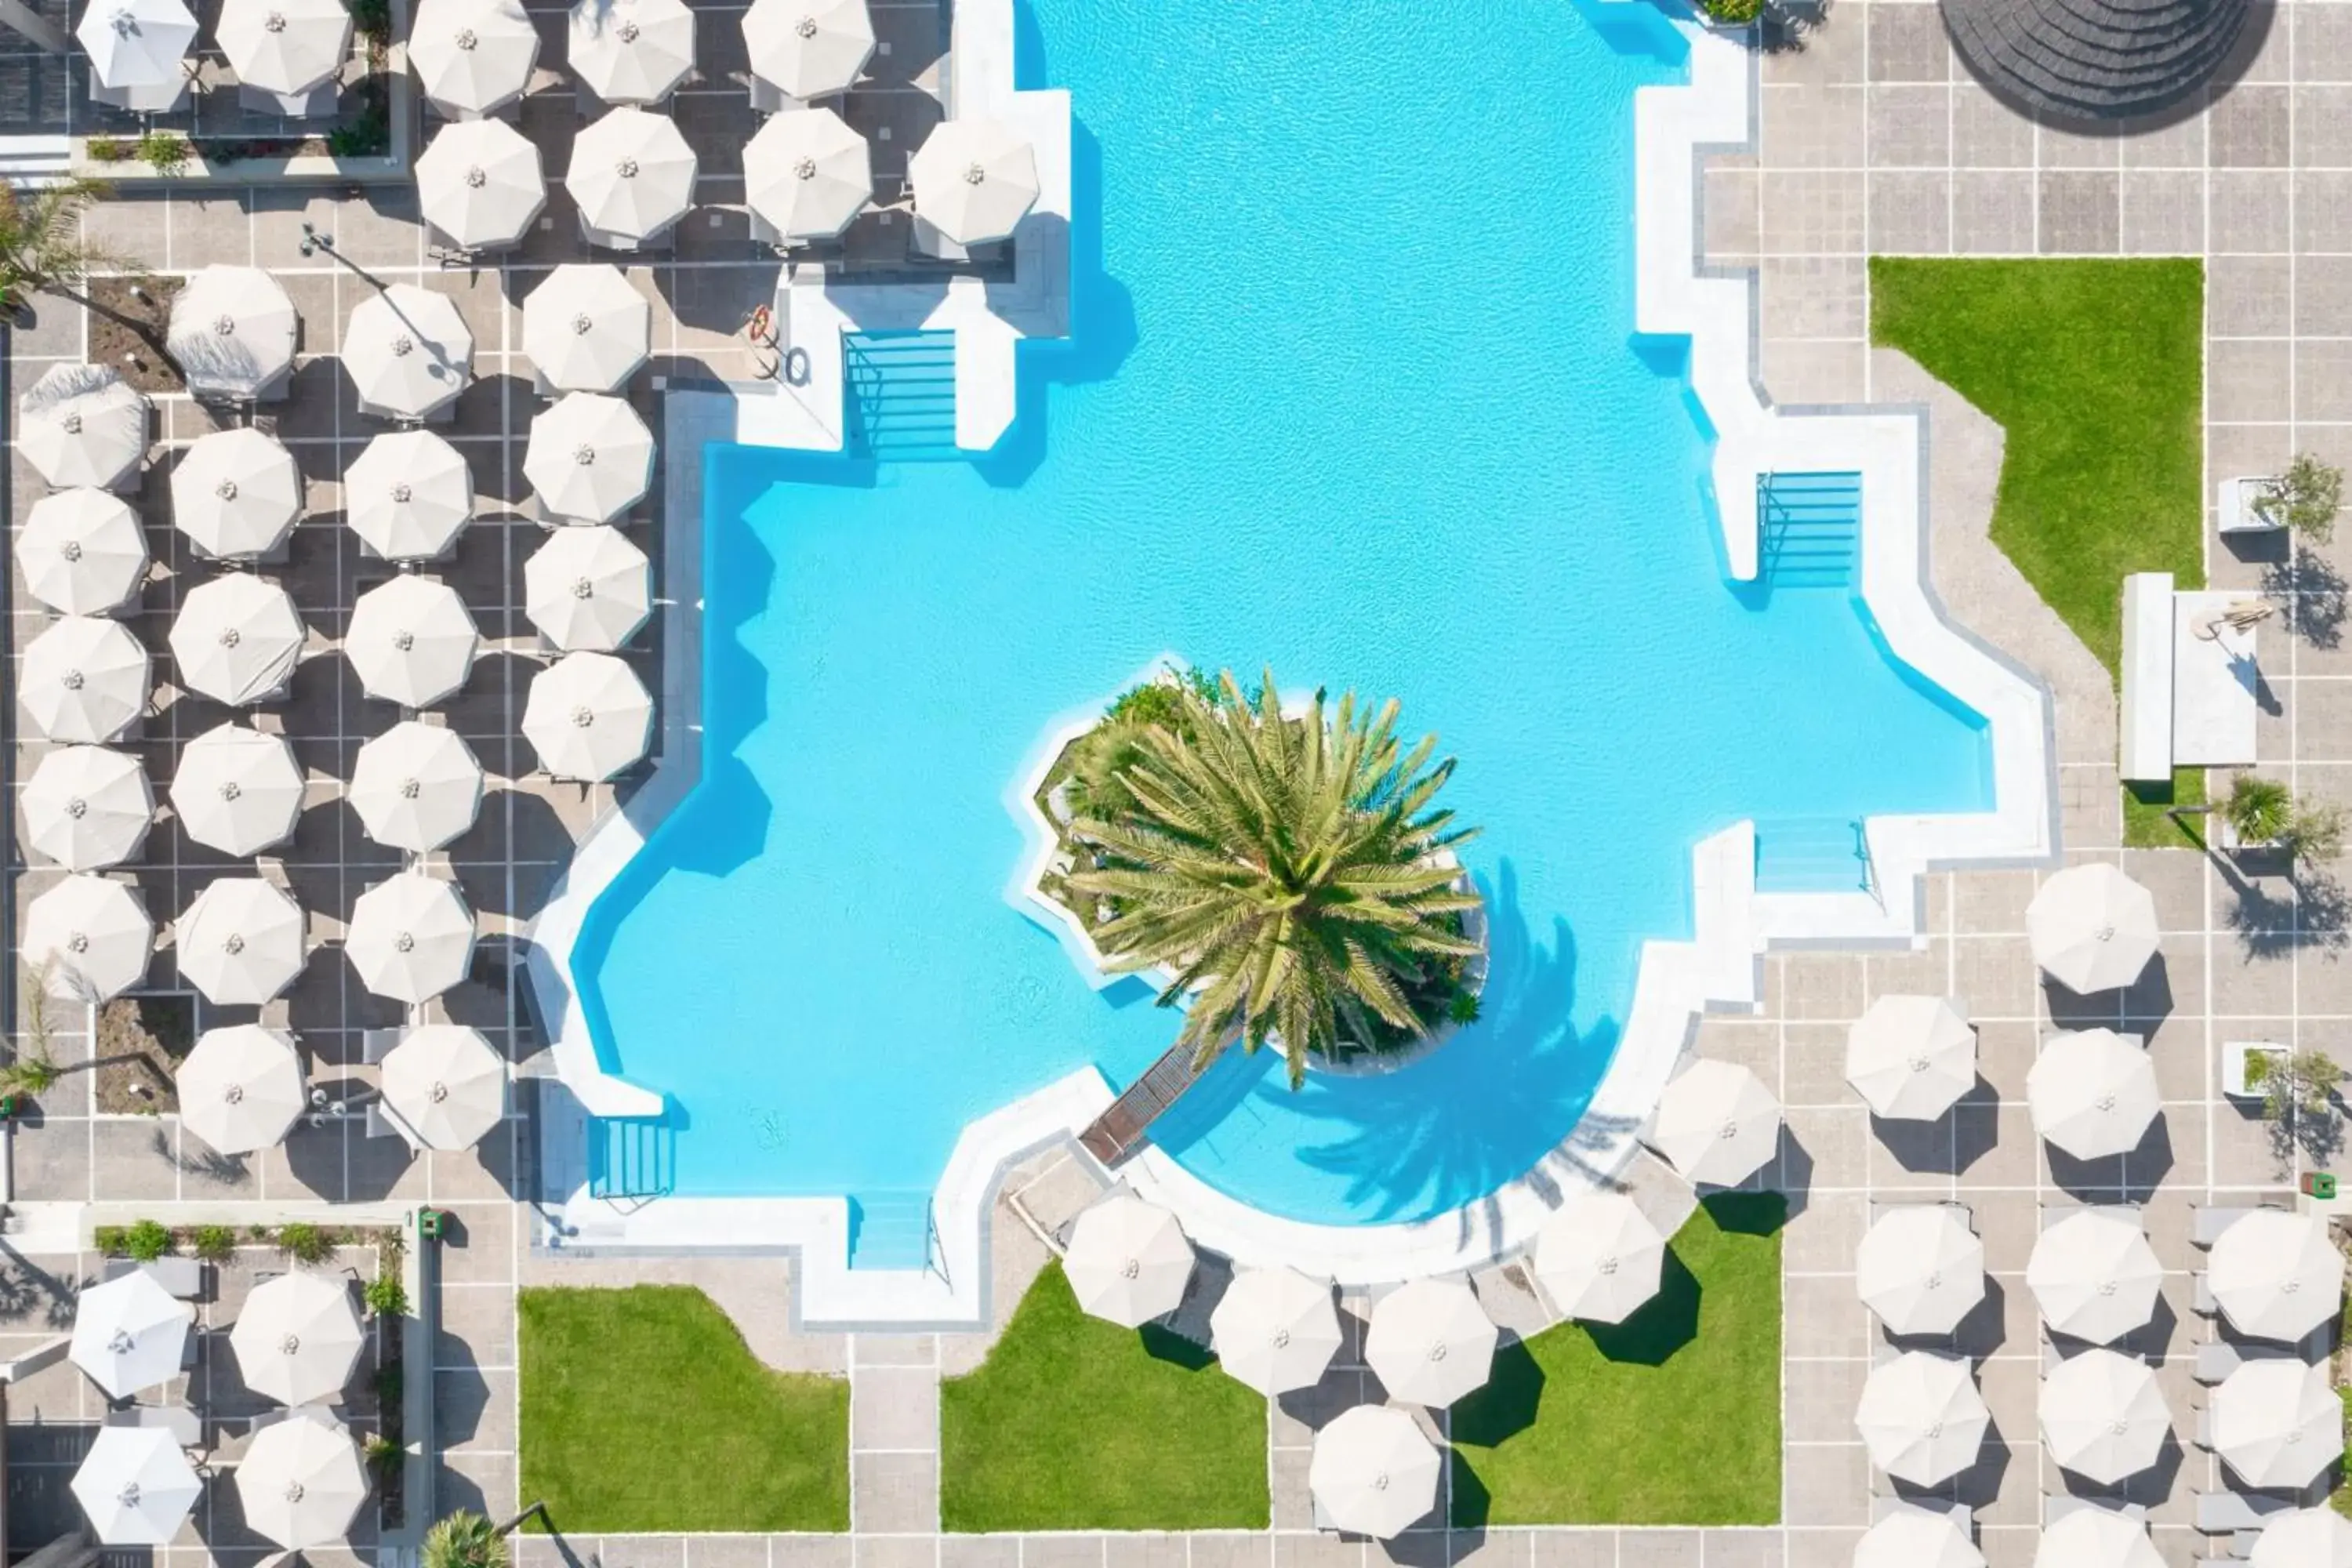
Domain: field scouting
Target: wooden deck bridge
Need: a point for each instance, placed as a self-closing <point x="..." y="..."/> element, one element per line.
<point x="1125" y="1124"/>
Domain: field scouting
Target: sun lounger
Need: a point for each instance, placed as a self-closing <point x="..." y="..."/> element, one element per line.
<point x="2202" y="1302"/>
<point x="2226" y="1513"/>
<point x="2208" y="1221"/>
<point x="2057" y="1505"/>
<point x="1960" y="1513"/>
<point x="177" y="1419"/>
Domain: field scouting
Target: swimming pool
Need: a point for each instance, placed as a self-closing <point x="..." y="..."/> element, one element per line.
<point x="1353" y="392"/>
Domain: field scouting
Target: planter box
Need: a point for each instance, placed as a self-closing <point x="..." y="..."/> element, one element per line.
<point x="2234" y="500"/>
<point x="2237" y="1055"/>
<point x="2225" y="837"/>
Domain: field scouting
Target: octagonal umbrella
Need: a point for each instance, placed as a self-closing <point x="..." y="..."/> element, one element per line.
<point x="300" y="1482"/>
<point x="588" y="716"/>
<point x="2102" y="1416"/>
<point x="808" y="173"/>
<point x="472" y="57"/>
<point x="585" y="329"/>
<point x="297" y="1338"/>
<point x="632" y="176"/>
<point x="408" y="352"/>
<point x="88" y="938"/>
<point x="1912" y="1058"/>
<point x="445" y="1086"/>
<point x="2277" y="1423"/>
<point x="87" y="808"/>
<point x="290" y="48"/>
<point x="83" y="679"/>
<point x="2094" y="1276"/>
<point x="241" y="1088"/>
<point x="135" y="1486"/>
<point x="416" y="787"/>
<point x="83" y="551"/>
<point x="240" y="942"/>
<point x="82" y="425"/>
<point x="1276" y="1329"/>
<point x="2276" y="1275"/>
<point x="2306" y="1538"/>
<point x="479" y="183"/>
<point x="808" y="49"/>
<point x="1908" y="1537"/>
<point x="1128" y="1261"/>
<point x="1372" y="1472"/>
<point x="1717" y="1123"/>
<point x="136" y="43"/>
<point x="2097" y="1538"/>
<point x="973" y="180"/>
<point x="232" y="329"/>
<point x="411" y="641"/>
<point x="1922" y="1418"/>
<point x="236" y="493"/>
<point x="631" y="51"/>
<point x="129" y="1333"/>
<point x="590" y="456"/>
<point x="411" y="937"/>
<point x="2093" y="1094"/>
<point x="1430" y="1342"/>
<point x="2093" y="928"/>
<point x="587" y="588"/>
<point x="1920" y="1268"/>
<point x="1599" y="1258"/>
<point x="237" y="790"/>
<point x="237" y="638"/>
<point x="408" y="494"/>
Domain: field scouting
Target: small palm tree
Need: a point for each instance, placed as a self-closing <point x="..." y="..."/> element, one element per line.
<point x="1292" y="871"/>
<point x="41" y="243"/>
<point x="465" y="1540"/>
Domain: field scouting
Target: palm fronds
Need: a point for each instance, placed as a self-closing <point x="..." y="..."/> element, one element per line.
<point x="41" y="239"/>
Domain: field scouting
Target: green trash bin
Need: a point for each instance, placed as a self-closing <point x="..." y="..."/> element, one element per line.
<point x="429" y="1225"/>
<point x="2319" y="1184"/>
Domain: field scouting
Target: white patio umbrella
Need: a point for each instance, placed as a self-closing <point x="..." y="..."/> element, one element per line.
<point x="300" y="1482"/>
<point x="297" y="1338"/>
<point x="411" y="937"/>
<point x="1715" y="1123"/>
<point x="2094" y="1276"/>
<point x="472" y="57"/>
<point x="808" y="49"/>
<point x="1920" y="1268"/>
<point x="2307" y="1537"/>
<point x="1372" y="1472"/>
<point x="1276" y="1329"/>
<point x="129" y="1333"/>
<point x="587" y="588"/>
<point x="1917" y="1538"/>
<point x="2276" y="1275"/>
<point x="416" y="787"/>
<point x="1430" y="1342"/>
<point x="1599" y="1258"/>
<point x="135" y="1486"/>
<point x="2277" y="1423"/>
<point x="82" y="425"/>
<point x="807" y="173"/>
<point x="236" y="493"/>
<point x="2093" y="1093"/>
<point x="241" y="1088"/>
<point x="87" y="808"/>
<point x="232" y="329"/>
<point x="408" y="494"/>
<point x="288" y="47"/>
<point x="632" y="176"/>
<point x="1911" y="1057"/>
<point x="1128" y="1261"/>
<point x="237" y="790"/>
<point x="136" y="43"/>
<point x="83" y="551"/>
<point x="83" y="679"/>
<point x="974" y="180"/>
<point x="631" y="51"/>
<point x="411" y="640"/>
<point x="1921" y="1417"/>
<point x="585" y="329"/>
<point x="88" y="938"/>
<point x="237" y="638"/>
<point x="590" y="456"/>
<point x="240" y="942"/>
<point x="2102" y="1416"/>
<point x="588" y="716"/>
<point x="444" y="1085"/>
<point x="2093" y="928"/>
<point x="408" y="352"/>
<point x="480" y="184"/>
<point x="2097" y="1538"/>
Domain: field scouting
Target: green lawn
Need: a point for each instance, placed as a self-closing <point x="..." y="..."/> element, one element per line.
<point x="1074" y="1423"/>
<point x="1672" y="1417"/>
<point x="644" y="1411"/>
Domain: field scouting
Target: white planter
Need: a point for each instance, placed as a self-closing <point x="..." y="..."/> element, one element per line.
<point x="2234" y="500"/>
<point x="2237" y="1055"/>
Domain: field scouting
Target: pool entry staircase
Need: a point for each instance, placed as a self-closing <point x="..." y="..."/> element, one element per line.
<point x="898" y="391"/>
<point x="631" y="1157"/>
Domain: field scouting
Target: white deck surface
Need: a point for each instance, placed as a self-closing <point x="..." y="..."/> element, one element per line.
<point x="2214" y="679"/>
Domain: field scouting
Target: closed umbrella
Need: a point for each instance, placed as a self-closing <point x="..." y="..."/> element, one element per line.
<point x="974" y="180"/>
<point x="588" y="716"/>
<point x="232" y="329"/>
<point x="411" y="937"/>
<point x="408" y="494"/>
<point x="2097" y="1538"/>
<point x="83" y="679"/>
<point x="807" y="173"/>
<point x="408" y="352"/>
<point x="585" y="329"/>
<point x="1917" y="1538"/>
<point x="236" y="639"/>
<point x="1430" y="1342"/>
<point x="416" y="787"/>
<point x="2276" y="1275"/>
<point x="2103" y="1416"/>
<point x="82" y="425"/>
<point x="1920" y="1268"/>
<point x="590" y="456"/>
<point x="479" y="183"/>
<point x="241" y="1088"/>
<point x="587" y="588"/>
<point x="240" y="942"/>
<point x="2093" y="1094"/>
<point x="83" y="551"/>
<point x="1717" y="1123"/>
<point x="808" y="49"/>
<point x="87" y="808"/>
<point x="135" y="1486"/>
<point x="297" y="1338"/>
<point x="632" y="176"/>
<point x="1599" y="1258"/>
<point x="137" y="43"/>
<point x="472" y="57"/>
<point x="1912" y="1058"/>
<point x="632" y="51"/>
<point x="1276" y="1329"/>
<point x="1372" y="1473"/>
<point x="237" y="790"/>
<point x="2093" y="928"/>
<point x="236" y="493"/>
<point x="129" y="1333"/>
<point x="445" y="1084"/>
<point x="2277" y="1423"/>
<point x="1922" y="1418"/>
<point x="411" y="641"/>
<point x="88" y="938"/>
<point x="2307" y="1537"/>
<point x="288" y="47"/>
<point x="300" y="1483"/>
<point x="2095" y="1277"/>
<point x="1128" y="1261"/>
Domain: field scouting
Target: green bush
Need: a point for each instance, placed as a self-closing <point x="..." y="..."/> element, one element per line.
<point x="162" y="152"/>
<point x="213" y="1243"/>
<point x="147" y="1241"/>
<point x="382" y="1454"/>
<point x="1733" y="13"/>
<point x="2258" y="809"/>
<point x="2305" y="498"/>
<point x="387" y="1297"/>
<point x="111" y="1241"/>
<point x="305" y="1243"/>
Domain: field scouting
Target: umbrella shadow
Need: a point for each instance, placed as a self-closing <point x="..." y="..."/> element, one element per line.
<point x="1662" y="1325"/>
<point x="1506" y="1406"/>
<point x="2130" y="1178"/>
<point x="2150" y="1488"/>
<point x="1951" y="1142"/>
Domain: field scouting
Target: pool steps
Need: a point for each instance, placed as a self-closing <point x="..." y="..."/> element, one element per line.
<point x="1810" y="854"/>
<point x="890" y="1230"/>
<point x="900" y="396"/>
<point x="1812" y="528"/>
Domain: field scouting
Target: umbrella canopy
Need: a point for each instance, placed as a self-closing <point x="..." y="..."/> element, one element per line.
<point x="974" y="180"/>
<point x="2102" y="1416"/>
<point x="236" y="493"/>
<point x="136" y="43"/>
<point x="2097" y="1538"/>
<point x="808" y="49"/>
<point x="1917" y="1538"/>
<point x="237" y="638"/>
<point x="408" y="352"/>
<point x="445" y="1084"/>
<point x="632" y="176"/>
<point x="2093" y="928"/>
<point x="232" y="329"/>
<point x="290" y="48"/>
<point x="87" y="808"/>
<point x="241" y="1088"/>
<point x="83" y="679"/>
<point x="1911" y="1057"/>
<point x="2307" y="1537"/>
<point x="300" y="1482"/>
<point x="129" y="1333"/>
<point x="472" y="57"/>
<point x="2094" y="1276"/>
<point x="83" y="551"/>
<point x="1128" y="1261"/>
<point x="408" y="494"/>
<point x="2276" y="1275"/>
<point x="240" y="942"/>
<point x="88" y="938"/>
<point x="1922" y="1418"/>
<point x="1372" y="1472"/>
<point x="479" y="183"/>
<point x="1599" y="1258"/>
<point x="2093" y="1094"/>
<point x="632" y="51"/>
<point x="411" y="937"/>
<point x="135" y="1486"/>
<point x="416" y="787"/>
<point x="2277" y="1423"/>
<point x="297" y="1338"/>
<point x="590" y="456"/>
<point x="411" y="641"/>
<point x="1920" y="1268"/>
<point x="585" y="327"/>
<point x="808" y="173"/>
<point x="1717" y="1123"/>
<point x="1430" y="1342"/>
<point x="82" y="424"/>
<point x="588" y="716"/>
<point x="237" y="790"/>
<point x="1276" y="1329"/>
<point x="587" y="588"/>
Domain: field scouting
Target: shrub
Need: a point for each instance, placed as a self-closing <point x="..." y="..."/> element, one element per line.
<point x="370" y="18"/>
<point x="164" y="153"/>
<point x="2304" y="497"/>
<point x="109" y="149"/>
<point x="2258" y="809"/>
<point x="32" y="1074"/>
<point x="389" y="1385"/>
<point x="465" y="1540"/>
<point x="382" y="1454"/>
<point x="1733" y="13"/>
<point x="305" y="1243"/>
<point x="1463" y="1008"/>
<point x="2316" y="832"/>
<point x="386" y="1297"/>
<point x="147" y="1241"/>
<point x="111" y="1241"/>
<point x="213" y="1243"/>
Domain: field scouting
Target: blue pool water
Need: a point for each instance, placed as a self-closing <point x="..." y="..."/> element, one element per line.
<point x="1353" y="392"/>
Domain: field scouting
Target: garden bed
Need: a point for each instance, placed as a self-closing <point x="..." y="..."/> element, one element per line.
<point x="141" y="1041"/>
<point x="124" y="329"/>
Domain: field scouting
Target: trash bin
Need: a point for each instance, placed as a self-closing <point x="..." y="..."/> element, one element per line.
<point x="429" y="1225"/>
<point x="2319" y="1184"/>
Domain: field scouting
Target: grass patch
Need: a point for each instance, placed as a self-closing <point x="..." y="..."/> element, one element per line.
<point x="1076" y="1424"/>
<point x="1671" y="1417"/>
<point x="643" y="1411"/>
<point x="2147" y="820"/>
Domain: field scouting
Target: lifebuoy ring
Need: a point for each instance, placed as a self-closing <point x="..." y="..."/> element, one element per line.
<point x="762" y="327"/>
<point x="794" y="366"/>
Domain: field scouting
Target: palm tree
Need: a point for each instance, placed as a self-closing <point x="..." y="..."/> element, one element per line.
<point x="469" y="1539"/>
<point x="41" y="243"/>
<point x="1291" y="870"/>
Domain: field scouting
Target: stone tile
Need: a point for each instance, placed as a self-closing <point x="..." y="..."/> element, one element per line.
<point x="1911" y="214"/>
<point x="1823" y="1319"/>
<point x="1833" y="1139"/>
<point x="657" y="1551"/>
<point x="1488" y="1548"/>
<point x="1992" y="902"/>
<point x="485" y="1483"/>
<point x="2248" y="128"/>
<point x="1985" y="132"/>
<point x="1828" y="1486"/>
<point x="1821" y="985"/>
<point x="1295" y="1551"/>
<point x="2163" y="213"/>
<point x="1995" y="976"/>
<point x="2080" y="214"/>
<point x="1799" y="374"/>
<point x="896" y="1492"/>
<point x="966" y="1551"/>
<point x="1751" y="1043"/>
<point x="2180" y="145"/>
<point x="2322" y="129"/>
<point x="1813" y="296"/>
<point x="1908" y="45"/>
<point x="810" y="1552"/>
<point x="1806" y="128"/>
<point x="922" y="1551"/>
<point x="478" y="1326"/>
<point x="1812" y="212"/>
<point x="2321" y="390"/>
<point x="1733" y="222"/>
<point x="2249" y="210"/>
<point x="1660" y="1549"/>
<point x="2249" y="381"/>
<point x="134" y="1158"/>
<point x="1814" y="1066"/>
<point x="1910" y="127"/>
<point x="1745" y="1548"/>
<point x="895" y="1408"/>
<point x="1231" y="1552"/>
<point x="1132" y="1549"/>
<point x="2246" y="296"/>
<point x="2062" y="148"/>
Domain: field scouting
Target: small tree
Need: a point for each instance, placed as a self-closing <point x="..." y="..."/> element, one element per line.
<point x="2300" y="1083"/>
<point x="146" y="1241"/>
<point x="2258" y="809"/>
<point x="2303" y="499"/>
<point x="41" y="243"/>
<point x="465" y="1540"/>
<point x="2316" y="832"/>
